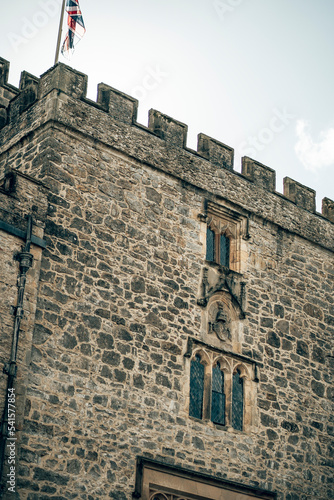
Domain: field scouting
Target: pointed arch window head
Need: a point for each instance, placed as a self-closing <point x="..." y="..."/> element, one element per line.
<point x="237" y="401"/>
<point x="196" y="387"/>
<point x="218" y="396"/>
<point x="222" y="388"/>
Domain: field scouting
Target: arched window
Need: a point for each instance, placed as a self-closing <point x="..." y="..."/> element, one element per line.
<point x="237" y="401"/>
<point x="220" y="385"/>
<point x="218" y="396"/>
<point x="159" y="496"/>
<point x="210" y="245"/>
<point x="196" y="388"/>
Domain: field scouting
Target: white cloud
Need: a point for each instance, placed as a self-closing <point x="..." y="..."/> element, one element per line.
<point x="314" y="155"/>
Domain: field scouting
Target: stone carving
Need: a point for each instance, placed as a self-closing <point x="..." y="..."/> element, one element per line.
<point x="219" y="322"/>
<point x="228" y="281"/>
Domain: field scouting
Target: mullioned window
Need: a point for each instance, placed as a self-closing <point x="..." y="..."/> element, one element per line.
<point x="222" y="388"/>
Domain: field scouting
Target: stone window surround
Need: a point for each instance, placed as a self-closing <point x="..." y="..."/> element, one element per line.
<point x="223" y="220"/>
<point x="229" y="362"/>
<point x="178" y="482"/>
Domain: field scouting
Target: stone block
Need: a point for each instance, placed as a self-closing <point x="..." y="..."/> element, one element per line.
<point x="28" y="80"/>
<point x="167" y="128"/>
<point x="4" y="71"/>
<point x="65" y="79"/>
<point x="328" y="209"/>
<point x="7" y="91"/>
<point x="301" y="195"/>
<point x="27" y="96"/>
<point x="260" y="174"/>
<point x="3" y="117"/>
<point x="120" y="106"/>
<point x="216" y="152"/>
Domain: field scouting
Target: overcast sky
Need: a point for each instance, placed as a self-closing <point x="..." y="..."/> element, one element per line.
<point x="257" y="75"/>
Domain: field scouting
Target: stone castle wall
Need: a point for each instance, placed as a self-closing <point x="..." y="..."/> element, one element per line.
<point x="118" y="302"/>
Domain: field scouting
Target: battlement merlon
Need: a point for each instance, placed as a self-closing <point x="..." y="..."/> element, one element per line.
<point x="7" y="92"/>
<point x="260" y="174"/>
<point x="112" y="120"/>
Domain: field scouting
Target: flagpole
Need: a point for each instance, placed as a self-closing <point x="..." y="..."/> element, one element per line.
<point x="60" y="32"/>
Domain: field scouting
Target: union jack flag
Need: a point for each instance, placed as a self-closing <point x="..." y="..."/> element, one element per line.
<point x="76" y="27"/>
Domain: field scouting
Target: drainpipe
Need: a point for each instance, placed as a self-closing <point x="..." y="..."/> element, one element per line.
<point x="25" y="259"/>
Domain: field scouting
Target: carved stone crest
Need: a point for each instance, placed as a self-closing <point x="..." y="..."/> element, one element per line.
<point x="219" y="322"/>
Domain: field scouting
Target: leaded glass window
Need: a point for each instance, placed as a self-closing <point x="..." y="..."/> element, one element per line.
<point x="224" y="250"/>
<point x="218" y="396"/>
<point x="210" y="244"/>
<point x="237" y="402"/>
<point x="196" y="388"/>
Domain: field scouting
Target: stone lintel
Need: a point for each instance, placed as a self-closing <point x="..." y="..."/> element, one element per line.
<point x="120" y="106"/>
<point x="167" y="128"/>
<point x="302" y="196"/>
<point x="216" y="152"/>
<point x="260" y="174"/>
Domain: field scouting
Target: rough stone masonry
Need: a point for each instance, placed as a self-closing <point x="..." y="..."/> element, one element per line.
<point x="121" y="296"/>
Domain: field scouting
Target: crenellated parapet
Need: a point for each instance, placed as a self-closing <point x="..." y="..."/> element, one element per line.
<point x="328" y="209"/>
<point x="261" y="175"/>
<point x="65" y="79"/>
<point x="59" y="96"/>
<point x="118" y="105"/>
<point x="7" y="91"/>
<point x="216" y="152"/>
<point x="28" y="94"/>
<point x="167" y="128"/>
<point x="302" y="196"/>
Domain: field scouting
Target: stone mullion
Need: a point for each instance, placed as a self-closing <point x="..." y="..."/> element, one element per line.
<point x="247" y="416"/>
<point x="228" y="397"/>
<point x="217" y="249"/>
<point x="207" y="397"/>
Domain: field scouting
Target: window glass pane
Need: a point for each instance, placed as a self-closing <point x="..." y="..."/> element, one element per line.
<point x="218" y="396"/>
<point x="196" y="388"/>
<point x="237" y="401"/>
<point x="224" y="250"/>
<point x="210" y="244"/>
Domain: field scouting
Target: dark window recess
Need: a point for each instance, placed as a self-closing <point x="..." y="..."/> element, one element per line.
<point x="210" y="245"/>
<point x="196" y="388"/>
<point x="224" y="250"/>
<point x="218" y="396"/>
<point x="237" y="401"/>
